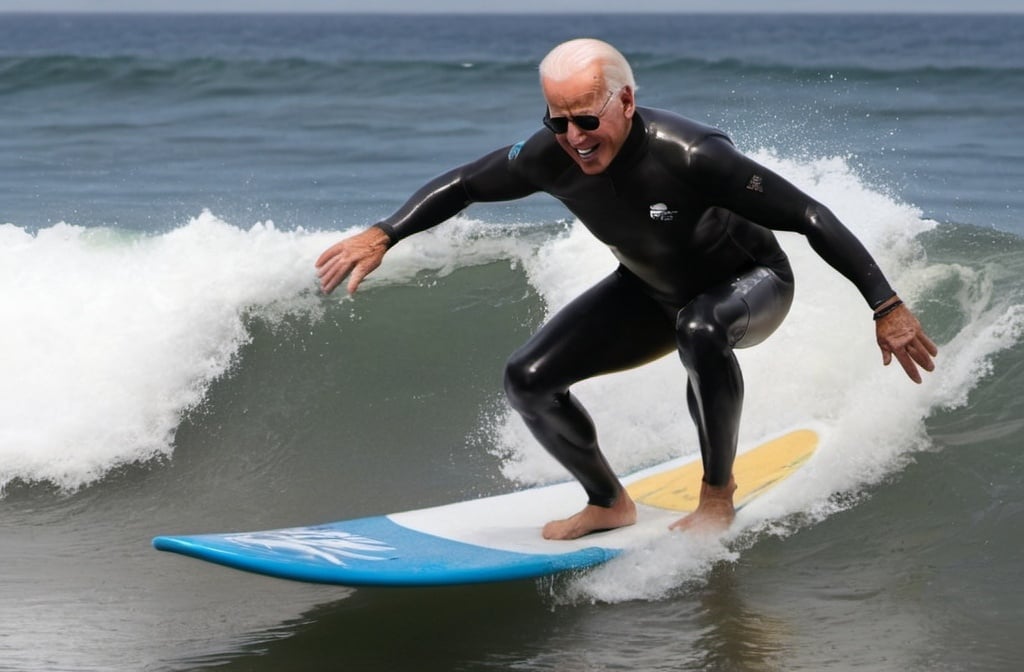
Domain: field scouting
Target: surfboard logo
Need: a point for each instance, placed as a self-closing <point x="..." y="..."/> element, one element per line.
<point x="331" y="546"/>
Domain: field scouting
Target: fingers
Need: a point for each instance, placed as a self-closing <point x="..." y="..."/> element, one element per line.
<point x="333" y="266"/>
<point x="332" y="274"/>
<point x="907" y="361"/>
<point x="917" y="351"/>
<point x="328" y="254"/>
<point x="900" y="335"/>
<point x="330" y="268"/>
<point x="357" y="274"/>
<point x="353" y="258"/>
<point x="929" y="345"/>
<point x="921" y="351"/>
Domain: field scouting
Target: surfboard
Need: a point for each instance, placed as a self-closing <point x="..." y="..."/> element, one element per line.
<point x="488" y="539"/>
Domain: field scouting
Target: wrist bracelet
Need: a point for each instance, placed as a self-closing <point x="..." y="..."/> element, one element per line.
<point x="888" y="309"/>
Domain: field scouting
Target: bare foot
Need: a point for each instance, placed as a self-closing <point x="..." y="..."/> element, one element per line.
<point x="714" y="513"/>
<point x="592" y="519"/>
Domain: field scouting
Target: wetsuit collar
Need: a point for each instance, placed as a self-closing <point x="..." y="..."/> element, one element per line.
<point x="632" y="149"/>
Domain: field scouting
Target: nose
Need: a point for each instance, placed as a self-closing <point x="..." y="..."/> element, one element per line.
<point x="575" y="134"/>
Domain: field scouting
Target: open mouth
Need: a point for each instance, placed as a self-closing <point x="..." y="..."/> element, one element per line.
<point x="585" y="153"/>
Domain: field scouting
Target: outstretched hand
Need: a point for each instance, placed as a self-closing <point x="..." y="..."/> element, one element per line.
<point x="353" y="258"/>
<point x="900" y="334"/>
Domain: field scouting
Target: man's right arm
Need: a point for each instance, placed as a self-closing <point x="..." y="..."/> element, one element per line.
<point x="484" y="180"/>
<point x="489" y="178"/>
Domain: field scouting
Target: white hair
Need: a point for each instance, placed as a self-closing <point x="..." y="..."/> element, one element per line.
<point x="570" y="57"/>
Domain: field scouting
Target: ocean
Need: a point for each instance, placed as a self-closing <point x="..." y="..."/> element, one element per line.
<point x="168" y="366"/>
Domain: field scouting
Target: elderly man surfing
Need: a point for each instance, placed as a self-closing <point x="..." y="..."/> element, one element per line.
<point x="690" y="220"/>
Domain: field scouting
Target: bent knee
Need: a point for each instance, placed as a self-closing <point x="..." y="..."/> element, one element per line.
<point x="699" y="328"/>
<point x="523" y="385"/>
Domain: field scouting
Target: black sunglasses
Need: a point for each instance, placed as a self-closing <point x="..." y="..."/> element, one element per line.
<point x="584" y="122"/>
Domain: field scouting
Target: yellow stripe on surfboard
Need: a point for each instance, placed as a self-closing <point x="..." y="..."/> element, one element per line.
<point x="755" y="470"/>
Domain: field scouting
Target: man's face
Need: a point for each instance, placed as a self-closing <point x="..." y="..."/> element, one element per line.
<point x="585" y="94"/>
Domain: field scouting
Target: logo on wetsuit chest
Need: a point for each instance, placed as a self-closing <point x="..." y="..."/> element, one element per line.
<point x="756" y="183"/>
<point x="661" y="213"/>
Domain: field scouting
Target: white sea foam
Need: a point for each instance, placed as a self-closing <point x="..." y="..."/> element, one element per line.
<point x="109" y="338"/>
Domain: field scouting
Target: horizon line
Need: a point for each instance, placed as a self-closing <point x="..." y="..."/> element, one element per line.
<point x="531" y="12"/>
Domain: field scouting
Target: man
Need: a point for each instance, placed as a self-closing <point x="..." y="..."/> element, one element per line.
<point x="690" y="220"/>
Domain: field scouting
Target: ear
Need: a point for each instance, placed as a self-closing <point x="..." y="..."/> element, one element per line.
<point x="628" y="101"/>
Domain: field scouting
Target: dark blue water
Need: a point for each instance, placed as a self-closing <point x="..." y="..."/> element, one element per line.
<point x="159" y="116"/>
<point x="166" y="365"/>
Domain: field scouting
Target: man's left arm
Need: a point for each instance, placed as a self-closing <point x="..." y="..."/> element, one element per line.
<point x="758" y="194"/>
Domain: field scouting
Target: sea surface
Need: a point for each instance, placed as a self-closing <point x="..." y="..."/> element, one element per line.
<point x="167" y="364"/>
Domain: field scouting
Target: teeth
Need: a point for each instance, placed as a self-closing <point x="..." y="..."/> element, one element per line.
<point x="585" y="152"/>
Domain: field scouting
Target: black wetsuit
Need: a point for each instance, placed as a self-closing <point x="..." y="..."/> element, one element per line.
<point x="677" y="207"/>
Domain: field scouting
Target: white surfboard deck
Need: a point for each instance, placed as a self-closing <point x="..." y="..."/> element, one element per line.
<point x="489" y="539"/>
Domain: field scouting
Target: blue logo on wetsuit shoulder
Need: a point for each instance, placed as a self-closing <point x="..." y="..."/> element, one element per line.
<point x="514" y="151"/>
